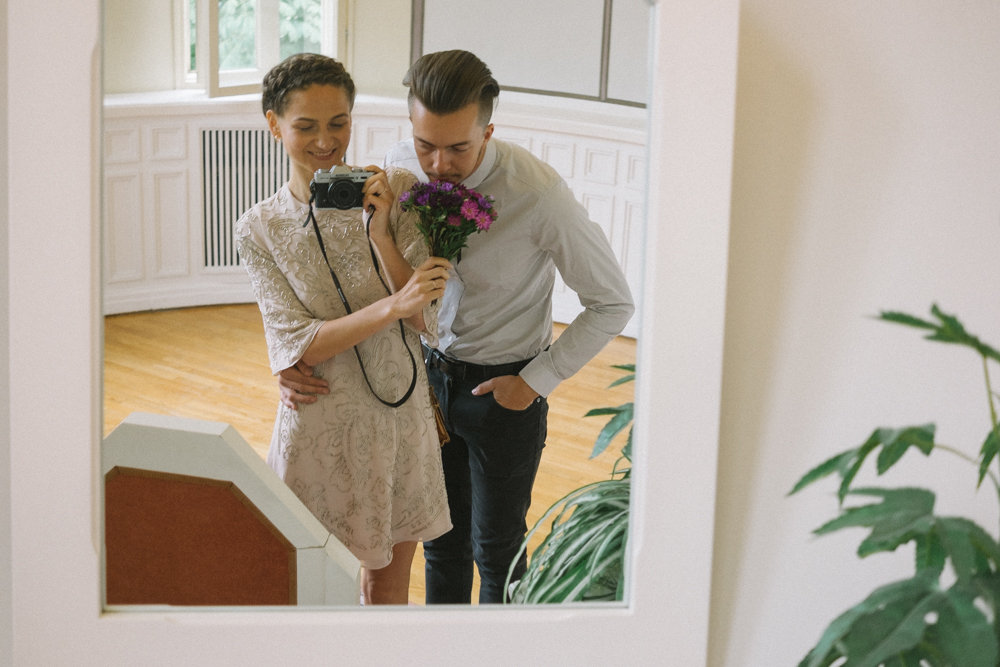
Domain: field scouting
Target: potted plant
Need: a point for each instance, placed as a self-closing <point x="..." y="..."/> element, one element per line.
<point x="948" y="611"/>
<point x="583" y="556"/>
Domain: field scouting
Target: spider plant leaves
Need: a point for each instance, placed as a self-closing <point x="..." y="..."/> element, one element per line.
<point x="906" y="621"/>
<point x="630" y="368"/>
<point x="582" y="557"/>
<point x="621" y="418"/>
<point x="948" y="329"/>
<point x="894" y="442"/>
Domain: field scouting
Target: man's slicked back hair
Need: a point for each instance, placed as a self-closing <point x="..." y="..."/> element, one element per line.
<point x="446" y="81"/>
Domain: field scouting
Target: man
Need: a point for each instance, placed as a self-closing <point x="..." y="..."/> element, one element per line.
<point x="495" y="361"/>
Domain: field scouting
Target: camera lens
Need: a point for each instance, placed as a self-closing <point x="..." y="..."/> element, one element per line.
<point x="343" y="194"/>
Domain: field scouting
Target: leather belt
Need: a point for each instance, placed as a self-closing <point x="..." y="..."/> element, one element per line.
<point x="463" y="370"/>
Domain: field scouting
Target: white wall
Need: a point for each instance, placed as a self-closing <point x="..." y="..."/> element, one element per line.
<point x="866" y="177"/>
<point x="380" y="49"/>
<point x="6" y="580"/>
<point x="139" y="46"/>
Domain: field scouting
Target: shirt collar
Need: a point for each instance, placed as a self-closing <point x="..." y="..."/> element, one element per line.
<point x="484" y="168"/>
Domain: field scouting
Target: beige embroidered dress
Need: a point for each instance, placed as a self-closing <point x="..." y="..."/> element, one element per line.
<point x="370" y="473"/>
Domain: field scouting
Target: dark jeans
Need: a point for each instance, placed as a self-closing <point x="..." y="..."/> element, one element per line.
<point x="489" y="468"/>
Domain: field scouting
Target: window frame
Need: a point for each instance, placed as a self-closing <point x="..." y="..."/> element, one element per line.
<point x="219" y="83"/>
<point x="417" y="50"/>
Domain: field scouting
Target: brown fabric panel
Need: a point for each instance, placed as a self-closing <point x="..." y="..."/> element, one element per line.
<point x="180" y="540"/>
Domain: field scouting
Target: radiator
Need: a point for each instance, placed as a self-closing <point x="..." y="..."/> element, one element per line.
<point x="239" y="168"/>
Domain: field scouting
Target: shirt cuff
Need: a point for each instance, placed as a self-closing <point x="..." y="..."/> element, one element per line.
<point x="539" y="374"/>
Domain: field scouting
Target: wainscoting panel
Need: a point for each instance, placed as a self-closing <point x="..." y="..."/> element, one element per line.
<point x="170" y="203"/>
<point x="123" y="241"/>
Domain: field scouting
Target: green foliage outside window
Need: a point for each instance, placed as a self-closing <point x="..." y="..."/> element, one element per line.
<point x="237" y="34"/>
<point x="298" y="26"/>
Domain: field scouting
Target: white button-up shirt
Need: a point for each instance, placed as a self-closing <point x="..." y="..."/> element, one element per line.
<point x="498" y="307"/>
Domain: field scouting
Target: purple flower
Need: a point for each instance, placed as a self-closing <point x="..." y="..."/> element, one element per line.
<point x="447" y="214"/>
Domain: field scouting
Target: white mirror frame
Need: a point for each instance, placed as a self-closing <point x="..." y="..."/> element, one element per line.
<point x="52" y="192"/>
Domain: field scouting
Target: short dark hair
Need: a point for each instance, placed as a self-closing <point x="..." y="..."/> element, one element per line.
<point x="299" y="72"/>
<point x="446" y="81"/>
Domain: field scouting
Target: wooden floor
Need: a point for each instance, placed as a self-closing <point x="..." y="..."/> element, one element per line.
<point x="211" y="363"/>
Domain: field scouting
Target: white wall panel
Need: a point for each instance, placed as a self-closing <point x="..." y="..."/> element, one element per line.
<point x="167" y="142"/>
<point x="169" y="224"/>
<point x="122" y="144"/>
<point x="123" y="237"/>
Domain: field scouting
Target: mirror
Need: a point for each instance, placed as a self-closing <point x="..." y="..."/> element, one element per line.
<point x="190" y="165"/>
<point x="53" y="386"/>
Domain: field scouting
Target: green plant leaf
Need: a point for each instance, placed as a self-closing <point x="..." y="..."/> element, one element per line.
<point x="881" y="609"/>
<point x="597" y="412"/>
<point x="915" y="622"/>
<point x="895" y="442"/>
<point x="972" y="550"/>
<point x="847" y="477"/>
<point x="948" y="330"/>
<point x="837" y="463"/>
<point x="582" y="557"/>
<point x="621" y="419"/>
<point x="626" y="378"/>
<point x="988" y="452"/>
<point x="930" y="553"/>
<point x="904" y="318"/>
<point x="906" y="621"/>
<point x="961" y="633"/>
<point x="902" y="515"/>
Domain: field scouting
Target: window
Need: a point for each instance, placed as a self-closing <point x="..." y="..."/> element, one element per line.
<point x="588" y="49"/>
<point x="229" y="45"/>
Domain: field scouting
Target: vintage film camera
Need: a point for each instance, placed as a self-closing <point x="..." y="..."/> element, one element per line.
<point x="339" y="187"/>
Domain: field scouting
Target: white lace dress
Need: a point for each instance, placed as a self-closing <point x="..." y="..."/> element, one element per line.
<point x="370" y="473"/>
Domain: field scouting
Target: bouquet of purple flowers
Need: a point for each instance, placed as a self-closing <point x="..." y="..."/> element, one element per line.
<point x="448" y="215"/>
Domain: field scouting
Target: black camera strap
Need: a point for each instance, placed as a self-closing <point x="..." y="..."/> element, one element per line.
<point x="347" y="307"/>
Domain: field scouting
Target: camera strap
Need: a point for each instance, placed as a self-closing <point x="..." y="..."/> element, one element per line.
<point x="347" y="307"/>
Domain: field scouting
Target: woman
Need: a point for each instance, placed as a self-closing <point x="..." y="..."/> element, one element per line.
<point x="370" y="472"/>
